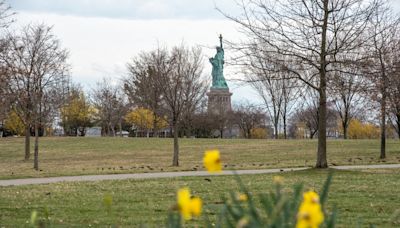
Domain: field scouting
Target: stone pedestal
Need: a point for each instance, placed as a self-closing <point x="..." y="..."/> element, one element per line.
<point x="219" y="100"/>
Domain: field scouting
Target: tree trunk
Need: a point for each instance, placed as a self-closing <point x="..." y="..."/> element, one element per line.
<point x="398" y="125"/>
<point x="383" y="126"/>
<point x="113" y="130"/>
<point x="155" y="130"/>
<point x="276" y="129"/>
<point x="27" y="142"/>
<point x="175" y="161"/>
<point x="344" y="125"/>
<point x="321" y="153"/>
<point x="120" y="128"/>
<point x="284" y="126"/>
<point x="312" y="133"/>
<point x="36" y="151"/>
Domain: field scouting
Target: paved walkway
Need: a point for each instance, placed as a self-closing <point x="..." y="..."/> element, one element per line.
<point x="48" y="180"/>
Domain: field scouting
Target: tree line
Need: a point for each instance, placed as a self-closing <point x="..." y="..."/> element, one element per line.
<point x="312" y="63"/>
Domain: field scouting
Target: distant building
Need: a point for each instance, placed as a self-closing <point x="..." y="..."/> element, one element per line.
<point x="93" y="132"/>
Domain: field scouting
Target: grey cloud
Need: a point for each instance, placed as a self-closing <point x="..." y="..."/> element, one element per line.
<point x="137" y="9"/>
<point x="129" y="9"/>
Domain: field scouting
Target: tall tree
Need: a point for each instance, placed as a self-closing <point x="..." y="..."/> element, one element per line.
<point x="384" y="49"/>
<point x="6" y="99"/>
<point x="35" y="63"/>
<point x="277" y="89"/>
<point x="179" y="77"/>
<point x="347" y="89"/>
<point x="299" y="37"/>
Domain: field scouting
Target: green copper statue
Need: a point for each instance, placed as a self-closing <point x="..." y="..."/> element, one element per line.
<point x="218" y="80"/>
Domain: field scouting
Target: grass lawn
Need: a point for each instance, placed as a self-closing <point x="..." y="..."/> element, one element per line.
<point x="371" y="197"/>
<point x="78" y="156"/>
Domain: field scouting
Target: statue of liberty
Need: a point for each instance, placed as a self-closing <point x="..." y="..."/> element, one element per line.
<point x="218" y="80"/>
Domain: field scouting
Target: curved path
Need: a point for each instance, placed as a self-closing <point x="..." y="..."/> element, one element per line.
<point x="48" y="180"/>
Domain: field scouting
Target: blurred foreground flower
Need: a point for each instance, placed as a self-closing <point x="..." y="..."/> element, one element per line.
<point x="310" y="214"/>
<point x="33" y="217"/>
<point x="212" y="161"/>
<point x="107" y="202"/>
<point x="187" y="205"/>
<point x="278" y="179"/>
<point x="242" y="197"/>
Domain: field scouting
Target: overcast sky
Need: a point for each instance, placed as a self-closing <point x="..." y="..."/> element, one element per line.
<point x="102" y="35"/>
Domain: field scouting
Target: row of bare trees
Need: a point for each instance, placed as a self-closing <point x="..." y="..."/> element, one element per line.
<point x="337" y="48"/>
<point x="306" y="59"/>
<point x="33" y="68"/>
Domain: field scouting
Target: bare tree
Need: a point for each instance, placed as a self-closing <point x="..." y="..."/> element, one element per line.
<point x="110" y="103"/>
<point x="181" y="84"/>
<point x="276" y="89"/>
<point x="394" y="109"/>
<point x="141" y="84"/>
<point x="6" y="99"/>
<point x="308" y="112"/>
<point x="248" y="117"/>
<point x="271" y="92"/>
<point x="306" y="36"/>
<point x="291" y="94"/>
<point x="35" y="64"/>
<point x="384" y="31"/>
<point x="394" y="94"/>
<point x="347" y="89"/>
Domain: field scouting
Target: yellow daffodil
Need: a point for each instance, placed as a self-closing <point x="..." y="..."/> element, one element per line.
<point x="196" y="206"/>
<point x="212" y="161"/>
<point x="187" y="205"/>
<point x="242" y="197"/>
<point x="184" y="203"/>
<point x="311" y="197"/>
<point x="310" y="213"/>
<point x="278" y="179"/>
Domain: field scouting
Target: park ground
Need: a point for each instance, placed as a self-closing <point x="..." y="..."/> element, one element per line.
<point x="362" y="197"/>
<point x="63" y="156"/>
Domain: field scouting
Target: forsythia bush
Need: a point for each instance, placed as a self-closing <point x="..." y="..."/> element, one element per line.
<point x="359" y="130"/>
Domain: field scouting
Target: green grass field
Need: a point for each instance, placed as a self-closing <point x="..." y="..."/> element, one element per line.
<point x="78" y="156"/>
<point x="367" y="197"/>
